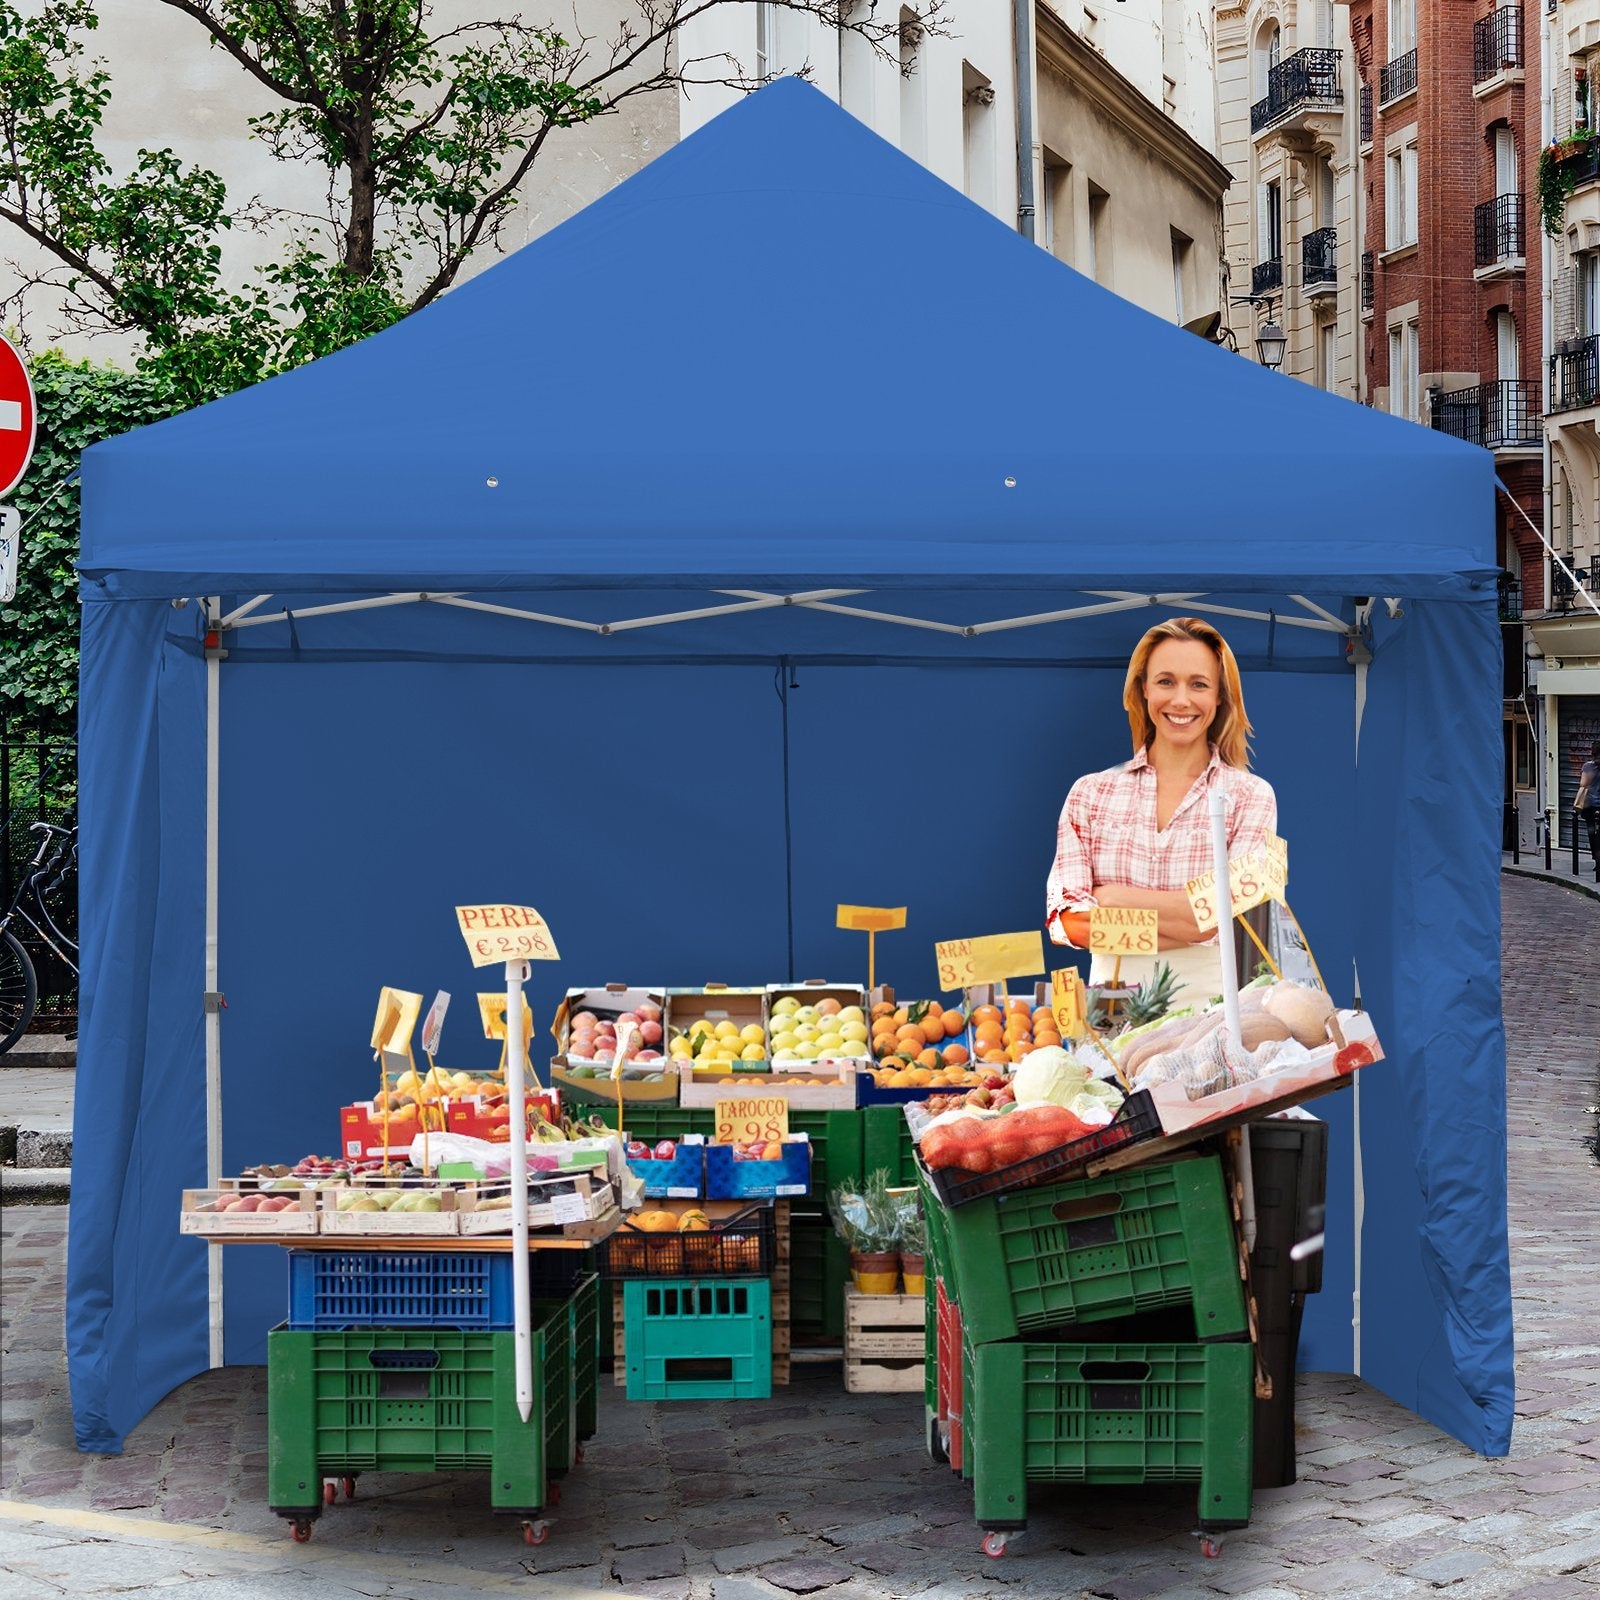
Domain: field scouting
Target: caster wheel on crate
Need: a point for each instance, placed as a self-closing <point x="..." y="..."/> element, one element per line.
<point x="330" y="1492"/>
<point x="994" y="1545"/>
<point x="349" y="1485"/>
<point x="1211" y="1545"/>
<point x="936" y="1445"/>
<point x="535" y="1532"/>
<point x="300" y="1530"/>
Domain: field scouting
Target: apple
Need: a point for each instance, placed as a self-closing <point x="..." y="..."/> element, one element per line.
<point x="638" y="1150"/>
<point x="648" y="1012"/>
<point x="585" y="1019"/>
<point x="650" y="1031"/>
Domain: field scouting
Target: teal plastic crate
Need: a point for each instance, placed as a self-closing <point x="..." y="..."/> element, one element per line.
<point x="1109" y="1414"/>
<point x="1096" y="1249"/>
<point x="698" y="1338"/>
<point x="403" y="1400"/>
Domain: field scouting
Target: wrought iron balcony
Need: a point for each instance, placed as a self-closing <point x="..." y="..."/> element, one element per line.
<point x="1499" y="416"/>
<point x="1309" y="79"/>
<point x="1398" y="77"/>
<point x="1367" y="259"/>
<point x="1510" y="596"/>
<point x="1581" y="165"/>
<point x="1575" y="374"/>
<point x="1266" y="276"/>
<point x="1563" y="591"/>
<point x="1497" y="230"/>
<point x="1319" y="271"/>
<point x="1366" y="113"/>
<point x="1496" y="42"/>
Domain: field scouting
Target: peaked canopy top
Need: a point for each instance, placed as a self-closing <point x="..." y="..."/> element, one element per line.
<point x="783" y="353"/>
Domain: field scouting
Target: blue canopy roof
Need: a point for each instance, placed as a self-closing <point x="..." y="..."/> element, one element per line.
<point x="785" y="316"/>
<point x="783" y="357"/>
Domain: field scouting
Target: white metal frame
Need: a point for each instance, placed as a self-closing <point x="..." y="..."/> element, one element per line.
<point x="1102" y="602"/>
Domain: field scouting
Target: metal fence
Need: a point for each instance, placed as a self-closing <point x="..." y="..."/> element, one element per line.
<point x="1496" y="42"/>
<point x="1497" y="230"/>
<point x="38" y="783"/>
<point x="1398" y="77"/>
<point x="1307" y="78"/>
<point x="1505" y="415"/>
<point x="1319" y="264"/>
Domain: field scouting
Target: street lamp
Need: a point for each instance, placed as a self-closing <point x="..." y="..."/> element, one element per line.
<point x="1271" y="342"/>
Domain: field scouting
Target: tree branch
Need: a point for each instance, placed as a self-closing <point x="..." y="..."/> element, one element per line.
<point x="200" y="11"/>
<point x="68" y="258"/>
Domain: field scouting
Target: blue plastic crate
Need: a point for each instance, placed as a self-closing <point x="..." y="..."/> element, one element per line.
<point x="727" y="1179"/>
<point x="682" y="1178"/>
<point x="331" y="1290"/>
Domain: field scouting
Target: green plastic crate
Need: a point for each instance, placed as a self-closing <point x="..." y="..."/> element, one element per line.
<point x="557" y="1322"/>
<point x="941" y="1261"/>
<point x="698" y="1338"/>
<point x="1099" y="1248"/>
<point x="403" y="1400"/>
<point x="887" y="1143"/>
<point x="1110" y="1414"/>
<point x="819" y="1264"/>
<point x="586" y="1303"/>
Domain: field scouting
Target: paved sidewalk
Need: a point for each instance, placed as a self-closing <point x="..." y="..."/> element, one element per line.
<point x="1559" y="871"/>
<point x="821" y="1494"/>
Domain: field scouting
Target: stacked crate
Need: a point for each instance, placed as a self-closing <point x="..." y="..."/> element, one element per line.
<point x="404" y="1361"/>
<point x="1094" y="1331"/>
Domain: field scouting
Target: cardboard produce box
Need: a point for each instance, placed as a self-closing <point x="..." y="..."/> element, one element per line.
<point x="830" y="1088"/>
<point x="233" y="1209"/>
<point x="730" y="1176"/>
<point x="585" y="1074"/>
<point x="680" y="1176"/>
<point x="829" y="1000"/>
<point x="721" y="1007"/>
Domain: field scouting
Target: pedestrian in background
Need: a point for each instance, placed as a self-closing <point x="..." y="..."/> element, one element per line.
<point x="1587" y="805"/>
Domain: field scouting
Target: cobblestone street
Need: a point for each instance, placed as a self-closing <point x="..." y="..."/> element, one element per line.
<point x="820" y="1493"/>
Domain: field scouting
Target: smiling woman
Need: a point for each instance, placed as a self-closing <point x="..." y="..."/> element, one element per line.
<point x="1134" y="835"/>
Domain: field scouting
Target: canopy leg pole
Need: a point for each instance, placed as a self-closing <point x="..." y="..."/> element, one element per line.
<point x="1230" y="997"/>
<point x="213" y="1014"/>
<point x="521" y="1309"/>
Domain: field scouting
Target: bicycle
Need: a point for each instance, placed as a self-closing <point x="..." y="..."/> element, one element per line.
<point x="53" y="861"/>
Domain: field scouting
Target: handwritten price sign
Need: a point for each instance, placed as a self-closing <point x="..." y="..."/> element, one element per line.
<point x="1122" y="931"/>
<point x="992" y="959"/>
<point x="1253" y="879"/>
<point x="505" y="933"/>
<point x="398" y="1010"/>
<point x="750" y="1117"/>
<point x="871" y="919"/>
<point x="1067" y="1001"/>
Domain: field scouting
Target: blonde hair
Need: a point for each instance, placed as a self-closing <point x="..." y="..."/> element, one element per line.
<point x="1230" y="728"/>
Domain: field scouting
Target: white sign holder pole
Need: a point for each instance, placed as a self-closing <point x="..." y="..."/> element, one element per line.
<point x="516" y="973"/>
<point x="1230" y="996"/>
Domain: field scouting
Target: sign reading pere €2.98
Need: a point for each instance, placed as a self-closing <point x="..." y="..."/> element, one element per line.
<point x="505" y="933"/>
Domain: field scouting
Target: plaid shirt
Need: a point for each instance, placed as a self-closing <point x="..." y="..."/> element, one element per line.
<point x="1108" y="834"/>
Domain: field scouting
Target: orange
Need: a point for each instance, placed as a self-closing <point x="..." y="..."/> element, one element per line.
<point x="901" y="1016"/>
<point x="986" y="1014"/>
<point x="933" y="1031"/>
<point x="1016" y="1052"/>
<point x="884" y="1008"/>
<point x="955" y="1055"/>
<point x="1014" y="1004"/>
<point x="929" y="1059"/>
<point x="989" y="1031"/>
<point x="920" y="1077"/>
<point x="910" y="1034"/>
<point x="901" y="1080"/>
<point x="994" y="1056"/>
<point x="953" y="1022"/>
<point x="931" y="1010"/>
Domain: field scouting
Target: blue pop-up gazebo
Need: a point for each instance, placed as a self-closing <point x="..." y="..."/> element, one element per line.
<point x="772" y="534"/>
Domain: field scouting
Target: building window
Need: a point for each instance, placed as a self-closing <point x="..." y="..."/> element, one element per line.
<point x="1325" y="193"/>
<point x="1401" y="197"/>
<point x="1056" y="231"/>
<point x="1270" y="222"/>
<point x="1327" y="354"/>
<point x="1099" y="242"/>
<point x="1325" y="23"/>
<point x="1182" y="252"/>
<point x="1402" y="27"/>
<point x="1405" y="359"/>
<point x="1269" y="51"/>
<point x="1589" y="292"/>
<point x="1507" y="357"/>
<point x="1505" y="161"/>
<point x="913" y="112"/>
<point x="766" y="38"/>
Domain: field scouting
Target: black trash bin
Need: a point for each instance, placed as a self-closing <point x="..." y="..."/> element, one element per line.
<point x="1289" y="1160"/>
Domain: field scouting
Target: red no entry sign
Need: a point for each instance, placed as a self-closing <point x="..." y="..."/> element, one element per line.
<point x="16" y="418"/>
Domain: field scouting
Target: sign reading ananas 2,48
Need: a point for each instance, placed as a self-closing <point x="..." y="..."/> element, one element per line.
<point x="505" y="933"/>
<point x="1123" y="931"/>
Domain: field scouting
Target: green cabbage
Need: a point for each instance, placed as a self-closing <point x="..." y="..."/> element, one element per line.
<point x="1049" y="1076"/>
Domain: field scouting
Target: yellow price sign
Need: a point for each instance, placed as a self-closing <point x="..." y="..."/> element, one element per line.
<point x="505" y="933"/>
<point x="752" y="1117"/>
<point x="1252" y="880"/>
<point x="1123" y="931"/>
<point x="991" y="959"/>
<point x="398" y="1010"/>
<point x="871" y="919"/>
<point x="1068" y="1001"/>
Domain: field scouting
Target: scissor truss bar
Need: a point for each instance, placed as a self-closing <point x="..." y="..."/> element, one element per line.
<point x="752" y="600"/>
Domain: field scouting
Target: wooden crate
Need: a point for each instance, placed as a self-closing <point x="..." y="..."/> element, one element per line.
<point x="883" y="1342"/>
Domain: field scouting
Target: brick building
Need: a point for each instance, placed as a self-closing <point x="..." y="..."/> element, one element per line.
<point x="1451" y="285"/>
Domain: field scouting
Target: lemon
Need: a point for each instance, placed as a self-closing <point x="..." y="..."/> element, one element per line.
<point x="783" y="1006"/>
<point x="805" y="1032"/>
<point x="851" y="1014"/>
<point x="753" y="1052"/>
<point x="753" y="1033"/>
<point x="726" y="1030"/>
<point x="785" y="1054"/>
<point x="785" y="1041"/>
<point x="829" y="1041"/>
<point x="806" y="1014"/>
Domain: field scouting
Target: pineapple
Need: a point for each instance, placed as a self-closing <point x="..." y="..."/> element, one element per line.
<point x="1152" y="999"/>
